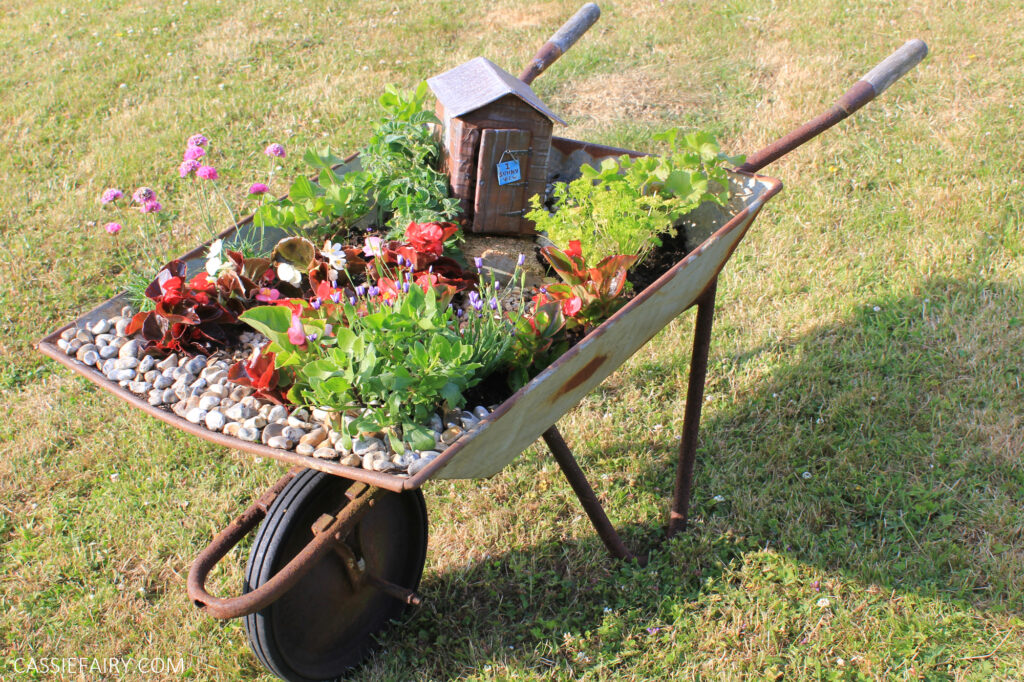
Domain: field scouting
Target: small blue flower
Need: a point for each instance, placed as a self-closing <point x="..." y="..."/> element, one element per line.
<point x="336" y="297"/>
<point x="459" y="312"/>
<point x="361" y="290"/>
<point x="311" y="337"/>
<point x="493" y="303"/>
<point x="315" y="304"/>
<point x="401" y="260"/>
<point x="352" y="300"/>
<point x="374" y="292"/>
<point x="478" y="262"/>
<point x="405" y="288"/>
<point x="521" y="260"/>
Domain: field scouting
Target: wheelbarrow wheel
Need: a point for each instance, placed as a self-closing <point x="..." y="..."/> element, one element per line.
<point x="325" y="624"/>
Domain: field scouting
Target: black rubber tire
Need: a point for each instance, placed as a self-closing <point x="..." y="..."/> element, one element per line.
<point x="321" y="628"/>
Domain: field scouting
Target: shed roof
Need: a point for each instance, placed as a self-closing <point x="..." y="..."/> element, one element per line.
<point x="479" y="82"/>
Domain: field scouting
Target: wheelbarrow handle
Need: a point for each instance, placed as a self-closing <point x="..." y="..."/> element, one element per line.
<point x="874" y="83"/>
<point x="561" y="41"/>
<point x="323" y="542"/>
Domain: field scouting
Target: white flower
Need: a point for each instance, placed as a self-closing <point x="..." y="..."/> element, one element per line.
<point x="719" y="498"/>
<point x="806" y="475"/>
<point x="287" y="273"/>
<point x="824" y="603"/>
<point x="335" y="255"/>
<point x="214" y="262"/>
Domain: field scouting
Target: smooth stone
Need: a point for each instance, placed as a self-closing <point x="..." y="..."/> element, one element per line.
<point x="68" y="333"/>
<point x="104" y="339"/>
<point x="219" y="390"/>
<point x="169" y="396"/>
<point x="292" y="433"/>
<point x="121" y="327"/>
<point x="140" y="386"/>
<point x="119" y="342"/>
<point x="320" y="415"/>
<point x="196" y="364"/>
<point x="232" y="429"/>
<point x="225" y="403"/>
<point x="108" y="352"/>
<point x="181" y="392"/>
<point x="248" y="434"/>
<point x="349" y="460"/>
<point x="182" y="376"/>
<point x="314" y="437"/>
<point x="367" y="461"/>
<point x="180" y="409"/>
<point x="481" y="412"/>
<point x="170" y="362"/>
<point x="257" y="422"/>
<point x="62" y="344"/>
<point x="147" y="363"/>
<point x="155" y="398"/>
<point x="195" y="415"/>
<point x="298" y="423"/>
<point x="303" y="449"/>
<point x="277" y="413"/>
<point x="279" y="442"/>
<point x="239" y="412"/>
<point x="301" y="413"/>
<point x="208" y="402"/>
<point x="85" y="336"/>
<point x="197" y="390"/>
<point x="126" y="363"/>
<point x="88" y="354"/>
<point x="365" y="446"/>
<point x="127" y="311"/>
<point x="192" y="402"/>
<point x="217" y="376"/>
<point x="451" y="435"/>
<point x="101" y="327"/>
<point x="418" y="465"/>
<point x="323" y="453"/>
<point x="384" y="466"/>
<point x="122" y="374"/>
<point x="162" y="382"/>
<point x="152" y="375"/>
<point x="272" y="431"/>
<point x="249" y="400"/>
<point x="129" y="350"/>
<point x="198" y="383"/>
<point x="239" y="393"/>
<point x="436" y="424"/>
<point x="73" y="346"/>
<point x="215" y="420"/>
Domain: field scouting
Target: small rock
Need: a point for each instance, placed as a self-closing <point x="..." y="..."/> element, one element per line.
<point x="451" y="435"/>
<point x="170" y="362"/>
<point x="121" y="327"/>
<point x="314" y="437"/>
<point x="208" y="402"/>
<point x="481" y="412"/>
<point x="277" y="413"/>
<point x="217" y="376"/>
<point x="85" y="336"/>
<point x="162" y="382"/>
<point x="196" y="364"/>
<point x="215" y="420"/>
<point x="101" y="327"/>
<point x="62" y="344"/>
<point x="180" y="409"/>
<point x="104" y="339"/>
<point x="257" y="422"/>
<point x="126" y="363"/>
<point x="272" y="431"/>
<point x="368" y="460"/>
<point x="232" y="429"/>
<point x="321" y="415"/>
<point x="155" y="398"/>
<point x="239" y="412"/>
<point x="279" y="442"/>
<point x="303" y="449"/>
<point x="181" y="391"/>
<point x="239" y="393"/>
<point x="301" y="413"/>
<point x="324" y="453"/>
<point x="129" y="350"/>
<point x="108" y="352"/>
<point x="195" y="415"/>
<point x="147" y="363"/>
<point x="348" y="460"/>
<point x="225" y="403"/>
<point x="122" y="374"/>
<point x="197" y="390"/>
<point x="292" y="433"/>
<point x="298" y="423"/>
<point x="199" y="383"/>
<point x="73" y="346"/>
<point x="119" y="342"/>
<point x="384" y="466"/>
<point x="152" y="375"/>
<point x="68" y="334"/>
<point x="249" y="400"/>
<point x="219" y="390"/>
<point x="248" y="434"/>
<point x="365" y="446"/>
<point x="418" y="465"/>
<point x="436" y="424"/>
<point x="192" y="402"/>
<point x="168" y="396"/>
<point x="139" y="387"/>
<point x="127" y="312"/>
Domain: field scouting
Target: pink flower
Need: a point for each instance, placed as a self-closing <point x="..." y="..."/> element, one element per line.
<point x="295" y="332"/>
<point x="193" y="153"/>
<point x="258" y="188"/>
<point x="186" y="167"/>
<point x="374" y="247"/>
<point x="197" y="140"/>
<point x="112" y="228"/>
<point x="207" y="172"/>
<point x="143" y="194"/>
<point x="275" y="149"/>
<point x="267" y="295"/>
<point x="152" y="206"/>
<point x="112" y="194"/>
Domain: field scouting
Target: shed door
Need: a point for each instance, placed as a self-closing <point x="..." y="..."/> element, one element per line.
<point x="500" y="208"/>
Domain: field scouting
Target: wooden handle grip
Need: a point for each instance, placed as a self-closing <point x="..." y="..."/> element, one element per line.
<point x="580" y="22"/>
<point x="895" y="65"/>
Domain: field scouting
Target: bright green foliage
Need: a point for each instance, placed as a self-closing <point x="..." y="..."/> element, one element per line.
<point x="539" y="341"/>
<point x="399" y="180"/>
<point x="627" y="205"/>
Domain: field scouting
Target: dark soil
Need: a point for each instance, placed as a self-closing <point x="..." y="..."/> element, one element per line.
<point x="672" y="250"/>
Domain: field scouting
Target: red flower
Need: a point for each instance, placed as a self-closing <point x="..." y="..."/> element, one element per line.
<point x="429" y="237"/>
<point x="571" y="306"/>
<point x="575" y="249"/>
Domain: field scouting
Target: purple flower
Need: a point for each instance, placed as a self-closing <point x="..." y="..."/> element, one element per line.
<point x="374" y="292"/>
<point x="187" y="166"/>
<point x="112" y="194"/>
<point x="401" y="260"/>
<point x="207" y="172"/>
<point x="311" y="337"/>
<point x="493" y="303"/>
<point x="112" y="228"/>
<point x="361" y="290"/>
<point x="315" y="304"/>
<point x="152" y="206"/>
<point x="521" y="260"/>
<point x="478" y="262"/>
<point x="497" y="285"/>
<point x="352" y="300"/>
<point x="258" y="188"/>
<point x="143" y="194"/>
<point x="197" y="140"/>
<point x="653" y="631"/>
<point x="405" y="288"/>
<point x="193" y="153"/>
<point x="335" y="297"/>
<point x="459" y="312"/>
<point x="275" y="149"/>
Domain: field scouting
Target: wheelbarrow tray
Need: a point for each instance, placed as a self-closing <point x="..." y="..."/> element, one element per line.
<point x="522" y="418"/>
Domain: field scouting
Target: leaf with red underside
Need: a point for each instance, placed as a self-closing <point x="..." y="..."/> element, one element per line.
<point x="261" y="375"/>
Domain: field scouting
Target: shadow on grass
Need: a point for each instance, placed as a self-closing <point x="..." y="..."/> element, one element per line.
<point x="884" y="452"/>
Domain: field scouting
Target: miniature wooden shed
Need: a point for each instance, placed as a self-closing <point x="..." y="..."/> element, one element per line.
<point x="490" y="117"/>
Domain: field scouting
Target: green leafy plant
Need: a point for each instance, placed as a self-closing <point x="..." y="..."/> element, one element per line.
<point x="627" y="205"/>
<point x="589" y="295"/>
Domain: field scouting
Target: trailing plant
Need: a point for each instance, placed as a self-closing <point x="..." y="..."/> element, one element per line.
<point x="627" y="205"/>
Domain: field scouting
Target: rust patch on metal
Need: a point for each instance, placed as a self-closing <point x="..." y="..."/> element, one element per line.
<point x="580" y="377"/>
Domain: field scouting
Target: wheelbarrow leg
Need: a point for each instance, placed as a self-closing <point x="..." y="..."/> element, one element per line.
<point x="691" y="415"/>
<point x="585" y="494"/>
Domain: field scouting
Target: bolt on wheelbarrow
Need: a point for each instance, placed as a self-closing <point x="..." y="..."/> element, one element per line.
<point x="340" y="550"/>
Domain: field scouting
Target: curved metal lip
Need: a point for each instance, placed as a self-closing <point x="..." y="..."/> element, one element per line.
<point x="392" y="482"/>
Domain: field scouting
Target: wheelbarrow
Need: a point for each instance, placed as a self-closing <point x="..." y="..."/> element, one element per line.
<point x="340" y="550"/>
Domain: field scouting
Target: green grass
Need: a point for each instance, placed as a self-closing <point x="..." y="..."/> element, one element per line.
<point x="869" y="333"/>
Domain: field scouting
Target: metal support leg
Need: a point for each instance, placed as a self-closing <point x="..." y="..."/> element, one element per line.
<point x="585" y="493"/>
<point x="691" y="416"/>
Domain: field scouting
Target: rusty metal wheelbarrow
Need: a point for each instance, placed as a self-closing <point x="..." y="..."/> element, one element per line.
<point x="340" y="550"/>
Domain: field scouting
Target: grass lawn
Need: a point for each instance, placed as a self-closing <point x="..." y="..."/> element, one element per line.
<point x="858" y="505"/>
